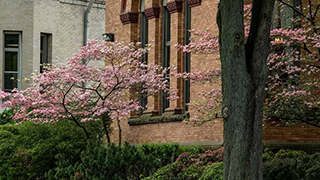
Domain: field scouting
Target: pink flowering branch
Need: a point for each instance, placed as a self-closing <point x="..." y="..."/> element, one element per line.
<point x="293" y="64"/>
<point x="80" y="92"/>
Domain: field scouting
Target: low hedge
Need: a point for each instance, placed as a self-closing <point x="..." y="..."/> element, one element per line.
<point x="28" y="150"/>
<point x="118" y="162"/>
<point x="291" y="165"/>
<point x="282" y="165"/>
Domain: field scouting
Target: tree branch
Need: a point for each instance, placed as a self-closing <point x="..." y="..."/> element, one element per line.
<point x="310" y="11"/>
<point x="297" y="11"/>
<point x="72" y="116"/>
<point x="316" y="11"/>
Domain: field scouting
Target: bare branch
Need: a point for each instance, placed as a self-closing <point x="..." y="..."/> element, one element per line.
<point x="297" y="11"/>
<point x="72" y="116"/>
<point x="316" y="11"/>
<point x="310" y="10"/>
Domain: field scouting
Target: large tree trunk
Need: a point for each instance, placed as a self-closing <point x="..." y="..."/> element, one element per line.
<point x="244" y="75"/>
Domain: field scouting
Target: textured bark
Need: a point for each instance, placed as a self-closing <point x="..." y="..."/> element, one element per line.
<point x="243" y="80"/>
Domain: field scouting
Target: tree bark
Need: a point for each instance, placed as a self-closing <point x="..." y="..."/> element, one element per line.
<point x="106" y="126"/>
<point x="244" y="74"/>
<point x="120" y="130"/>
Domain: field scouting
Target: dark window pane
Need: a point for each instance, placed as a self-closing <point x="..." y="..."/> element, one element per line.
<point x="12" y="40"/>
<point x="9" y="84"/>
<point x="11" y="61"/>
<point x="41" y="43"/>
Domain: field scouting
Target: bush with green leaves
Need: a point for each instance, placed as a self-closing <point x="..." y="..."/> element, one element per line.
<point x="6" y="116"/>
<point x="192" y="166"/>
<point x="111" y="162"/>
<point x="213" y="172"/>
<point x="177" y="171"/>
<point x="28" y="150"/>
<point x="114" y="162"/>
<point x="168" y="152"/>
<point x="291" y="165"/>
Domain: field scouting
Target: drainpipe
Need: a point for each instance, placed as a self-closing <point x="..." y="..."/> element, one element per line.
<point x="86" y="30"/>
<point x="86" y="23"/>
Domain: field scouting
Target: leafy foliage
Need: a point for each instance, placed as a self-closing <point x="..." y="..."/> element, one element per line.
<point x="168" y="153"/>
<point x="27" y="151"/>
<point x="79" y="92"/>
<point x="114" y="162"/>
<point x="193" y="166"/>
<point x="6" y="116"/>
<point x="291" y="165"/>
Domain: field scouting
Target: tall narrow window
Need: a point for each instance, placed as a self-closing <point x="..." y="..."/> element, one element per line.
<point x="143" y="31"/>
<point x="144" y="42"/>
<point x="123" y="6"/>
<point x="43" y="51"/>
<point x="165" y="49"/>
<point x="12" y="61"/>
<point x="187" y="55"/>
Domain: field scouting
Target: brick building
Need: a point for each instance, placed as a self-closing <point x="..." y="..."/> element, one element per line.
<point x="42" y="31"/>
<point x="164" y="23"/>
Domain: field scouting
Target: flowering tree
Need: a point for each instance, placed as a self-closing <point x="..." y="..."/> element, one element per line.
<point x="293" y="81"/>
<point x="210" y="108"/>
<point x="292" y="86"/>
<point x="293" y="66"/>
<point x="79" y="92"/>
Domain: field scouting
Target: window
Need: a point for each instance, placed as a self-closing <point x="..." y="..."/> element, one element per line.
<point x="123" y="6"/>
<point x="165" y="50"/>
<point x="12" y="61"/>
<point x="45" y="50"/>
<point x="143" y="31"/>
<point x="187" y="55"/>
<point x="144" y="42"/>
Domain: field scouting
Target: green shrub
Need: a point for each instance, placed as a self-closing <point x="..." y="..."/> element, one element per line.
<point x="193" y="166"/>
<point x="291" y="165"/>
<point x="111" y="162"/>
<point x="6" y="116"/>
<point x="176" y="171"/>
<point x="169" y="171"/>
<point x="168" y="153"/>
<point x="28" y="150"/>
<point x="213" y="172"/>
<point x="193" y="172"/>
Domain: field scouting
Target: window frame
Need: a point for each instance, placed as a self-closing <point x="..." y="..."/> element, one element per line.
<point x="144" y="28"/>
<point x="18" y="50"/>
<point x="166" y="38"/>
<point x="187" y="56"/>
<point x="45" y="51"/>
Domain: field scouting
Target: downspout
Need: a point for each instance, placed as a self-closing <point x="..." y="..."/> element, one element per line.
<point x="86" y="23"/>
<point x="86" y="30"/>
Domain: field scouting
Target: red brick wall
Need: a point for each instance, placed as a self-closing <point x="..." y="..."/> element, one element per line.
<point x="299" y="133"/>
<point x="203" y="18"/>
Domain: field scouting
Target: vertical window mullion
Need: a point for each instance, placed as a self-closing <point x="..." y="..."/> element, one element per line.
<point x="166" y="25"/>
<point x="187" y="57"/>
<point x="144" y="41"/>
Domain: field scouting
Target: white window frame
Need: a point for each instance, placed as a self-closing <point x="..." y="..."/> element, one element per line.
<point x="18" y="50"/>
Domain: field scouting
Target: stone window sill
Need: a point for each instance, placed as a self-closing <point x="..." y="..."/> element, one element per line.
<point x="157" y="119"/>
